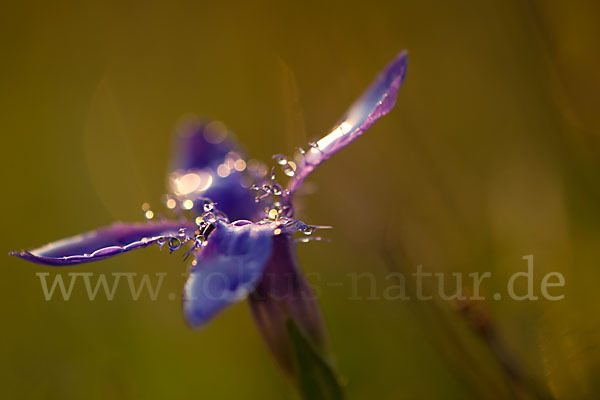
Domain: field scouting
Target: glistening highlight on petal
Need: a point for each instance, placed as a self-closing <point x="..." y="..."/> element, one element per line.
<point x="376" y="101"/>
<point x="108" y="241"/>
<point x="209" y="163"/>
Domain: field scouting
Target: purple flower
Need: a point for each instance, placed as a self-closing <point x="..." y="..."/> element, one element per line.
<point x="242" y="231"/>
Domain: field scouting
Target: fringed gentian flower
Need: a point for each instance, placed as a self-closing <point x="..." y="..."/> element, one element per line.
<point x="242" y="233"/>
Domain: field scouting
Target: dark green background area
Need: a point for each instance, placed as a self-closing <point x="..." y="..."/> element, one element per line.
<point x="491" y="154"/>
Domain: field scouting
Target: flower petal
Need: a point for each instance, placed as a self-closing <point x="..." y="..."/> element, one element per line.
<point x="227" y="269"/>
<point x="284" y="294"/>
<point x="208" y="163"/>
<point x="199" y="144"/>
<point x="108" y="241"/>
<point x="376" y="101"/>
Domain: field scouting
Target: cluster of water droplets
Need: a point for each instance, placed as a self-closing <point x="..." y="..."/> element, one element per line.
<point x="205" y="225"/>
<point x="269" y="188"/>
<point x="279" y="209"/>
<point x="291" y="167"/>
<point x="308" y="232"/>
<point x="291" y="225"/>
<point x="288" y="167"/>
<point x="174" y="242"/>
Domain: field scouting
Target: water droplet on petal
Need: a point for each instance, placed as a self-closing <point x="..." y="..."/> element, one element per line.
<point x="289" y="169"/>
<point x="174" y="244"/>
<point x="280" y="159"/>
<point x="288" y="211"/>
<point x="208" y="206"/>
<point x="209" y="217"/>
<point x="200" y="240"/>
<point x="309" y="230"/>
<point x="277" y="189"/>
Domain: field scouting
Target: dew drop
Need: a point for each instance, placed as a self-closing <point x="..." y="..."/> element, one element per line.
<point x="277" y="189"/>
<point x="289" y="169"/>
<point x="174" y="244"/>
<point x="200" y="240"/>
<point x="288" y="211"/>
<point x="273" y="213"/>
<point x="280" y="159"/>
<point x="161" y="242"/>
<point x="209" y="217"/>
<point x="208" y="206"/>
<point x="309" y="230"/>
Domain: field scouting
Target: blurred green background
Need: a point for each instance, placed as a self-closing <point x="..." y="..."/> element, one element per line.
<point x="491" y="154"/>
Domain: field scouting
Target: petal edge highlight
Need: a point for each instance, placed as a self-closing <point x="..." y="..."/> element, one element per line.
<point x="376" y="101"/>
<point x="106" y="242"/>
